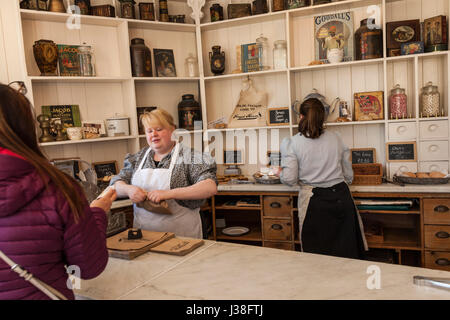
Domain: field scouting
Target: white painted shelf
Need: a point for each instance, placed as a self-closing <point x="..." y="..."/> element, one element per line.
<point x="165" y="79"/>
<point x="44" y="79"/>
<point x="105" y="139"/>
<point x="246" y="74"/>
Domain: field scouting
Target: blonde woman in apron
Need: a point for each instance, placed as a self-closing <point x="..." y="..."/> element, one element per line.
<point x="318" y="160"/>
<point x="168" y="171"/>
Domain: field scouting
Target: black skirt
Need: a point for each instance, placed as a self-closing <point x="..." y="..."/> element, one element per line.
<point x="331" y="225"/>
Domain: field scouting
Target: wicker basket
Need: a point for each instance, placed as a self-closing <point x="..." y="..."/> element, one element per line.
<point x="367" y="174"/>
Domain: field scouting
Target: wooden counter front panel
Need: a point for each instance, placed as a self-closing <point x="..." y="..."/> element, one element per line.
<point x="277" y="206"/>
<point x="279" y="245"/>
<point x="437" y="237"/>
<point x="277" y="229"/>
<point x="436" y="211"/>
<point x="437" y="260"/>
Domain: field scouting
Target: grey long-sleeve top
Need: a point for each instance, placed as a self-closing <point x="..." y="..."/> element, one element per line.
<point x="192" y="167"/>
<point x="321" y="162"/>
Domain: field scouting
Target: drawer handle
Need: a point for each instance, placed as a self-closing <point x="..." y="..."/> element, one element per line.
<point x="441" y="209"/>
<point x="277" y="227"/>
<point x="442" y="235"/>
<point x="434" y="168"/>
<point x="401" y="129"/>
<point x="442" y="262"/>
<point x="432" y="128"/>
<point x="433" y="148"/>
<point x="275" y="205"/>
<point x="403" y="169"/>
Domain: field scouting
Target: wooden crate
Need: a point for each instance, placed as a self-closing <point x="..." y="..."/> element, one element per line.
<point x="367" y="174"/>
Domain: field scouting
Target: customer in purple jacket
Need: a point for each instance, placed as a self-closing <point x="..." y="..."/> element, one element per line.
<point x="46" y="222"/>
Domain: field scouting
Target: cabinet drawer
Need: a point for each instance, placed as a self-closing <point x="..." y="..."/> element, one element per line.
<point x="277" y="206"/>
<point x="437" y="260"/>
<point x="433" y="129"/>
<point x="433" y="150"/>
<point x="277" y="229"/>
<point x="436" y="211"/>
<point x="402" y="131"/>
<point x="437" y="237"/>
<point x="433" y="166"/>
<point x="399" y="167"/>
<point x="279" y="245"/>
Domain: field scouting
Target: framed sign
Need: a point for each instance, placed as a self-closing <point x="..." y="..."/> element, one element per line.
<point x="105" y="169"/>
<point x="363" y="155"/>
<point x="274" y="158"/>
<point x="401" y="151"/>
<point x="277" y="116"/>
<point x="233" y="157"/>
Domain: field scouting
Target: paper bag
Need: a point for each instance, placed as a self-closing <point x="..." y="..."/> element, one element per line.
<point x="162" y="207"/>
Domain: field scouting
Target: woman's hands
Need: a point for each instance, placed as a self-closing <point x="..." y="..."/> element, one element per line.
<point x="136" y="194"/>
<point x="277" y="171"/>
<point x="157" y="196"/>
<point x="106" y="201"/>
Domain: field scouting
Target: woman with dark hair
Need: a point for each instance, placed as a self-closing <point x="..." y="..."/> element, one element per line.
<point x="319" y="161"/>
<point x="46" y="222"/>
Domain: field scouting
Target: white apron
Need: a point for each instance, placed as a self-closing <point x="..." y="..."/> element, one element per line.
<point x="304" y="196"/>
<point x="183" y="221"/>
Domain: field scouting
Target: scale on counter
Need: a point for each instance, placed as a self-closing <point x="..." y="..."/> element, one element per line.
<point x="232" y="159"/>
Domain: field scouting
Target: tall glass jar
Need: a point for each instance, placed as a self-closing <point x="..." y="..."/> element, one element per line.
<point x="398" y="103"/>
<point x="279" y="54"/>
<point x="87" y="60"/>
<point x="191" y="66"/>
<point x="263" y="53"/>
<point x="430" y="101"/>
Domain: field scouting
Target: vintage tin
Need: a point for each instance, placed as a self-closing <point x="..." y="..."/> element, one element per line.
<point x="103" y="11"/>
<point x="368" y="41"/>
<point x="189" y="111"/>
<point x="216" y="12"/>
<point x="239" y="10"/>
<point x="146" y="11"/>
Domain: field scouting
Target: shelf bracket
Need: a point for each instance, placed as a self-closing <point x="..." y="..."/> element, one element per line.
<point x="196" y="6"/>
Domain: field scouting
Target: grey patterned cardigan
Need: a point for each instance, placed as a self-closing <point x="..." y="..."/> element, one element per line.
<point x="192" y="167"/>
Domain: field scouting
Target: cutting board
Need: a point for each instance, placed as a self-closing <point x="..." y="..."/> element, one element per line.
<point x="178" y="247"/>
<point x="120" y="247"/>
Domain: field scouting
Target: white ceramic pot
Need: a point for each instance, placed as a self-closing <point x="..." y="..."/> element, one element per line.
<point x="335" y="55"/>
<point x="75" y="133"/>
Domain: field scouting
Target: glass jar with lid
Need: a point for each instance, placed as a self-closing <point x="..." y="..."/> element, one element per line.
<point x="263" y="52"/>
<point x="280" y="54"/>
<point x="398" y="103"/>
<point x="430" y="101"/>
<point x="87" y="60"/>
<point x="191" y="66"/>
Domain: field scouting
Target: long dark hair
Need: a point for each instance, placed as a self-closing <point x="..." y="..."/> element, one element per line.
<point x="18" y="134"/>
<point x="311" y="124"/>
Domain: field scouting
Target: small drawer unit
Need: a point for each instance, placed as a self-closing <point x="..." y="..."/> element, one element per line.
<point x="433" y="130"/>
<point x="277" y="229"/>
<point x="402" y="131"/>
<point x="279" y="245"/>
<point x="277" y="206"/>
<point x="429" y="166"/>
<point x="433" y="150"/>
<point x="436" y="211"/>
<point x="437" y="260"/>
<point x="437" y="237"/>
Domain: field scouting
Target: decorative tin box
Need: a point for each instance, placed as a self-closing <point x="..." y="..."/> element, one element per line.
<point x="239" y="10"/>
<point x="412" y="48"/>
<point x="103" y="11"/>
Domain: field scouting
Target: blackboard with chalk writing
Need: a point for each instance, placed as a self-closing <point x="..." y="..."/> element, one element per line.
<point x="278" y="116"/>
<point x="105" y="169"/>
<point x="362" y="156"/>
<point x="401" y="151"/>
<point x="233" y="157"/>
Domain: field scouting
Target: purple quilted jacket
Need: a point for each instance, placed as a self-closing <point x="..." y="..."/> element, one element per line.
<point x="38" y="232"/>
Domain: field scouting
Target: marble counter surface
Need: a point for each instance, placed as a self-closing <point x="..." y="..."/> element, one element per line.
<point x="227" y="271"/>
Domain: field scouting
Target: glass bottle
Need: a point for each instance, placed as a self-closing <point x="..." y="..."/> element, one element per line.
<point x="398" y="103"/>
<point x="263" y="52"/>
<point x="279" y="54"/>
<point x="87" y="60"/>
<point x="430" y="101"/>
<point x="191" y="66"/>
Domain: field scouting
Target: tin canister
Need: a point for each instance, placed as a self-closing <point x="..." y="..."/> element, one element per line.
<point x="117" y="126"/>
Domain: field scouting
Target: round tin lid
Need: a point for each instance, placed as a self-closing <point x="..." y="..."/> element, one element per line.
<point x="280" y="44"/>
<point x="118" y="117"/>
<point x="429" y="88"/>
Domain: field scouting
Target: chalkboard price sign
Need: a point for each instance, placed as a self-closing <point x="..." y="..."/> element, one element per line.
<point x="278" y="116"/>
<point x="105" y="169"/>
<point x="401" y="151"/>
<point x="233" y="157"/>
<point x="361" y="156"/>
